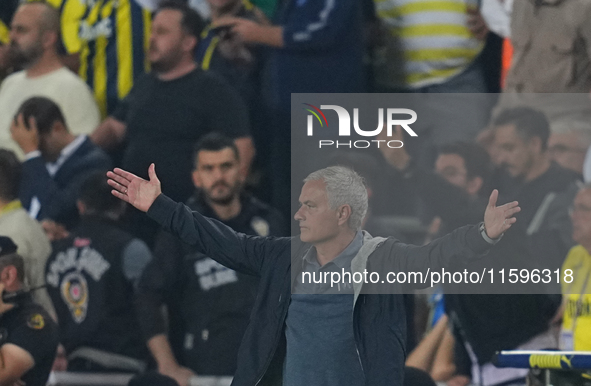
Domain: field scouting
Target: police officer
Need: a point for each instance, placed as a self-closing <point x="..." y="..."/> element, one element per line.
<point x="208" y="304"/>
<point x="28" y="336"/>
<point x="91" y="278"/>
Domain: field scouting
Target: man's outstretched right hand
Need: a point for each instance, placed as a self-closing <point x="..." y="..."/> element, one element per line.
<point x="133" y="189"/>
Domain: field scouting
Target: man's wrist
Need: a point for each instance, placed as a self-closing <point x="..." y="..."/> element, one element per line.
<point x="486" y="237"/>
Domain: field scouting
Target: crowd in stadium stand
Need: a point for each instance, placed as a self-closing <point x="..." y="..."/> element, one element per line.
<point x="201" y="91"/>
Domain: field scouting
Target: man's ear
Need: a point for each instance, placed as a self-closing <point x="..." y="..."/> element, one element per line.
<point x="196" y="179"/>
<point x="9" y="276"/>
<point x="49" y="39"/>
<point x="343" y="214"/>
<point x="189" y="43"/>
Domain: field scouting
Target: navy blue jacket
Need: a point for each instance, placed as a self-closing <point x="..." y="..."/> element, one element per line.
<point x="322" y="50"/>
<point x="58" y="194"/>
<point x="379" y="320"/>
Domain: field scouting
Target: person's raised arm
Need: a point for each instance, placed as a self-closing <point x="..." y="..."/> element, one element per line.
<point x="467" y="242"/>
<point x="134" y="190"/>
<point x="235" y="250"/>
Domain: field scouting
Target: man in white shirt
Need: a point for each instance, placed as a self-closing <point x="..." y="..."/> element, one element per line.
<point x="34" y="43"/>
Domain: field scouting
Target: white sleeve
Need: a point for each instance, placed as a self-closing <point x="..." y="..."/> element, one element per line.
<point x="82" y="113"/>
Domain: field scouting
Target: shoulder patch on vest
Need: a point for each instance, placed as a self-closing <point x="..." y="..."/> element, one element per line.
<point x="36" y="322"/>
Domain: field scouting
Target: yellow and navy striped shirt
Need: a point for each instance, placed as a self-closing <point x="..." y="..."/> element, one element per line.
<point x="577" y="297"/>
<point x="4" y="32"/>
<point x="112" y="38"/>
<point x="436" y="41"/>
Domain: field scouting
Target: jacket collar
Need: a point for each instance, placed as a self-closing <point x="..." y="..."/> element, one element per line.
<point x="359" y="263"/>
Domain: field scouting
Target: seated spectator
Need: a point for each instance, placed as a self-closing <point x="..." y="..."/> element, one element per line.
<point x="29" y="336"/>
<point x="576" y="322"/>
<point x="544" y="189"/>
<point x="484" y="324"/>
<point x="34" y="35"/>
<point x="568" y="144"/>
<point x="91" y="276"/>
<point x="56" y="164"/>
<point x="171" y="108"/>
<point x="27" y="234"/>
<point x="208" y="304"/>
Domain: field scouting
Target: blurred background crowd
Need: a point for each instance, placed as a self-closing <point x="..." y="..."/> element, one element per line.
<point x="202" y="89"/>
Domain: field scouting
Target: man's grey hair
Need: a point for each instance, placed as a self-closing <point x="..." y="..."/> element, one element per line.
<point x="344" y="187"/>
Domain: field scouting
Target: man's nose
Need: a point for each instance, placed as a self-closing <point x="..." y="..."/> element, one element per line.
<point x="218" y="174"/>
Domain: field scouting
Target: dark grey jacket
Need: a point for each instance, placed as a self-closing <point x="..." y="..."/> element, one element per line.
<point x="379" y="319"/>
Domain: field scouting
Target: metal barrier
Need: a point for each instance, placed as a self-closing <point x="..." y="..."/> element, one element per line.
<point x="549" y="368"/>
<point x="88" y="379"/>
<point x="108" y="379"/>
<point x="566" y="360"/>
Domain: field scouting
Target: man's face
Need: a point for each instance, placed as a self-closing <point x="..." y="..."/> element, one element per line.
<point x="581" y="217"/>
<point x="218" y="175"/>
<point x="318" y="222"/>
<point x="166" y="40"/>
<point x="49" y="145"/>
<point x="514" y="153"/>
<point x="453" y="169"/>
<point x="567" y="150"/>
<point x="26" y="36"/>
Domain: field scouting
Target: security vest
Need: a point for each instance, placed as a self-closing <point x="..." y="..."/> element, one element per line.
<point x="93" y="299"/>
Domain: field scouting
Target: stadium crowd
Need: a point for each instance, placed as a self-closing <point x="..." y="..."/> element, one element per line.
<point x="199" y="91"/>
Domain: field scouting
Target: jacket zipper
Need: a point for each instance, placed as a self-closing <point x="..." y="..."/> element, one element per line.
<point x="356" y="348"/>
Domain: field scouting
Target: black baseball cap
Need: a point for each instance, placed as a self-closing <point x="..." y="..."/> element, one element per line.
<point x="7" y="246"/>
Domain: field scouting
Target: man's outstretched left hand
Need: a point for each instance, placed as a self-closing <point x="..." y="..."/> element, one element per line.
<point x="497" y="219"/>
